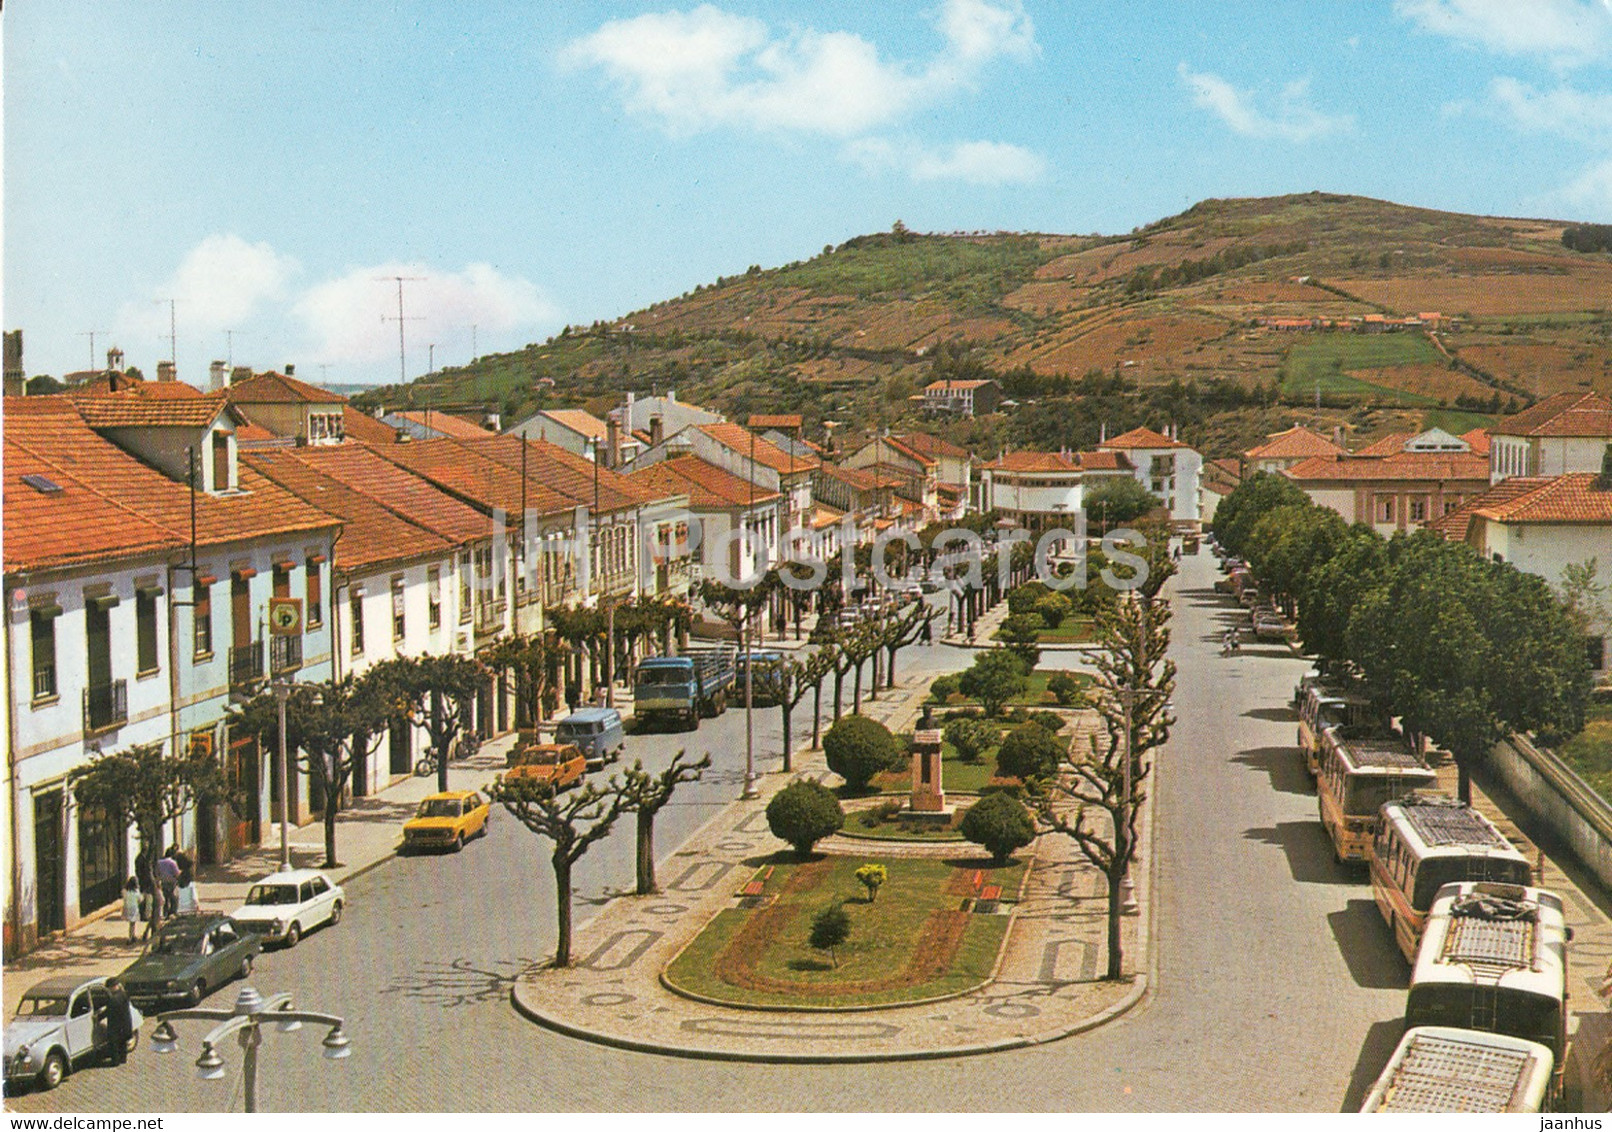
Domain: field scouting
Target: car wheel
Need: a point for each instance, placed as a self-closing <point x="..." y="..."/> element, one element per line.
<point x="293" y="934"/>
<point x="458" y="842"/>
<point x="134" y="1041"/>
<point x="198" y="992"/>
<point x="246" y="968"/>
<point x="335" y="913"/>
<point x="55" y="1068"/>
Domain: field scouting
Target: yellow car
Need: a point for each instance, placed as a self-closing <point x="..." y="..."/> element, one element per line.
<point x="446" y="821"/>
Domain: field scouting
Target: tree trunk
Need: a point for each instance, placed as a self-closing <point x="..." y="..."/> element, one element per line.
<point x="330" y="832"/>
<point x="1116" y="957"/>
<point x="839" y="683"/>
<point x="440" y="740"/>
<point x="817" y="712"/>
<point x="562" y="900"/>
<point x="890" y="668"/>
<point x="873" y="684"/>
<point x="151" y="851"/>
<point x="787" y="707"/>
<point x="856" y="691"/>
<point x="646" y="854"/>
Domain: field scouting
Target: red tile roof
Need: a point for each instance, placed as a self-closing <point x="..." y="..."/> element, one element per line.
<point x="861" y="479"/>
<point x="1387" y="445"/>
<point x="1478" y="440"/>
<point x="397" y="489"/>
<point x="943" y="385"/>
<point x="933" y="446"/>
<point x="1454" y="525"/>
<point x="708" y="486"/>
<point x="1398" y="466"/>
<point x="1292" y="444"/>
<point x="741" y="440"/>
<point x="363" y="427"/>
<point x="133" y="408"/>
<point x="1573" y="499"/>
<point x="775" y="420"/>
<point x="1563" y="414"/>
<point x="1034" y="462"/>
<point x="1141" y="438"/>
<point x="1104" y="462"/>
<point x="278" y="389"/>
<point x="113" y="382"/>
<point x="445" y="423"/>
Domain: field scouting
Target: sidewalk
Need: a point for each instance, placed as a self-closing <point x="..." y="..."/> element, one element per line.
<point x="367" y="834"/>
<point x="1046" y="985"/>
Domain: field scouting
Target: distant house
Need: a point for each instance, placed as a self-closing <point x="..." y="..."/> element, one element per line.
<point x="1165" y="466"/>
<point x="1562" y="434"/>
<point x="954" y="471"/>
<point x="1218" y="479"/>
<point x="435" y="424"/>
<point x="652" y="419"/>
<point x="723" y="504"/>
<point x="963" y="398"/>
<point x="911" y="472"/>
<point x="1038" y="490"/>
<point x="1400" y="483"/>
<point x="291" y="408"/>
<point x="789" y="424"/>
<point x="1286" y="448"/>
<point x="581" y="433"/>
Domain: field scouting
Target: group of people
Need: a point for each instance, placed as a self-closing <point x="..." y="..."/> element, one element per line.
<point x="175" y="894"/>
<point x="1232" y="643"/>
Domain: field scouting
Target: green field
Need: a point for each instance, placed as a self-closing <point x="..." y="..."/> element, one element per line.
<point x="912" y="942"/>
<point x="1324" y="358"/>
<point x="1590" y="751"/>
<point x="1456" y="421"/>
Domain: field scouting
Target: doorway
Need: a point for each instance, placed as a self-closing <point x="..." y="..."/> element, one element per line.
<point x="50" y="878"/>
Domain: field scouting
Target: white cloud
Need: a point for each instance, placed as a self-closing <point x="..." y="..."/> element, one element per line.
<point x="708" y="68"/>
<point x="346" y="317"/>
<point x="1571" y="113"/>
<point x="1591" y="190"/>
<point x="972" y="162"/>
<point x="1291" y="117"/>
<point x="222" y="282"/>
<point x="1567" y="32"/>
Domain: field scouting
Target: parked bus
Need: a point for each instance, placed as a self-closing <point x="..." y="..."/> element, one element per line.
<point x="1425" y="842"/>
<point x="1444" y="1069"/>
<point x="1359" y="774"/>
<point x="1323" y="706"/>
<point x="1494" y="958"/>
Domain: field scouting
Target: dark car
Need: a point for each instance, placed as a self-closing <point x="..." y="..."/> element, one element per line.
<point x="191" y="957"/>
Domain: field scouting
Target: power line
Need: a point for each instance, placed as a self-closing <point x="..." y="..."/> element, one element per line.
<point x="402" y="369"/>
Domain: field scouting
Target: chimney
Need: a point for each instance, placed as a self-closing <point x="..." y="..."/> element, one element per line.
<point x="612" y="444"/>
<point x="216" y="376"/>
<point x="657" y="430"/>
<point x="1337" y="435"/>
<point x="167" y="371"/>
<point x="114" y="360"/>
<point x="626" y="418"/>
<point x="290" y="369"/>
<point x="16" y="380"/>
<point x="239" y="374"/>
<point x="671" y="395"/>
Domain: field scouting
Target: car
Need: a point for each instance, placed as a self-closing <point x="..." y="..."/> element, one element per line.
<point x="59" y="1026"/>
<point x="191" y="957"/>
<point x="597" y="732"/>
<point x="559" y="765"/>
<point x="1269" y="626"/>
<point x="282" y="906"/>
<point x="446" y="821"/>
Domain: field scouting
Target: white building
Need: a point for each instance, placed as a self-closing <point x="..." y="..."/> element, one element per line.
<point x="1163" y="465"/>
<point x="1560" y="435"/>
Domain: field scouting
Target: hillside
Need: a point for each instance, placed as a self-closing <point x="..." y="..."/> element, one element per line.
<point x="1165" y="321"/>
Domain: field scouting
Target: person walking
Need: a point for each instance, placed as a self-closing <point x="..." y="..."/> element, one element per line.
<point x="186" y="900"/>
<point x="168" y="879"/>
<point x="131" y="905"/>
<point x="929" y="637"/>
<point x="119" y="1024"/>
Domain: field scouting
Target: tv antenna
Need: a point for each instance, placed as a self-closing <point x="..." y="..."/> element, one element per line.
<point x="402" y="370"/>
<point x="173" y="336"/>
<point x="91" y="335"/>
<point x="229" y="344"/>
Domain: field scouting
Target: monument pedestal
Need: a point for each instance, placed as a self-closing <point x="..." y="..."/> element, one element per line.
<point x="927" y="799"/>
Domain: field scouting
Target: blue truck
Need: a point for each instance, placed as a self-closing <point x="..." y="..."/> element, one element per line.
<point x="697" y="683"/>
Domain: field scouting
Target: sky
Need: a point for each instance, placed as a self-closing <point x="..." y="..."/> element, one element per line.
<point x="272" y="169"/>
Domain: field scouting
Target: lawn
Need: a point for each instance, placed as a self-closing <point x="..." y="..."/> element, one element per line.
<point x="913" y="942"/>
<point x="1073" y="631"/>
<point x="1327" y="357"/>
<point x="955" y="774"/>
<point x="1035" y="695"/>
<point x="1590" y="751"/>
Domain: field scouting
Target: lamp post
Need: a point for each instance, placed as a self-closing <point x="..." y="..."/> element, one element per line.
<point x="751" y="790"/>
<point x="246" y="1020"/>
<point x="282" y="693"/>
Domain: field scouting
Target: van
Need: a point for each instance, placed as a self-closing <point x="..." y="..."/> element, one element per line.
<point x="596" y="732"/>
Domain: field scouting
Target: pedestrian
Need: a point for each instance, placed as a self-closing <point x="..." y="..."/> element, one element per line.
<point x="186" y="900"/>
<point x="131" y="905"/>
<point x="573" y="697"/>
<point x="168" y="880"/>
<point x="929" y="637"/>
<point x="119" y="1023"/>
<point x="182" y="859"/>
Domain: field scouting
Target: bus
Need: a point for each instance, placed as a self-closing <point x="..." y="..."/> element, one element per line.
<point x="1358" y="774"/>
<point x="1323" y="706"/>
<point x="1424" y="842"/>
<point x="1494" y="958"/>
<point x="1444" y="1069"/>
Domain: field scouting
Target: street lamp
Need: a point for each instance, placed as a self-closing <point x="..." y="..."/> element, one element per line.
<point x="282" y="693"/>
<point x="246" y="1020"/>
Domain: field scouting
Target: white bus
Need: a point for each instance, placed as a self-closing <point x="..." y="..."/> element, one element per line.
<point x="1324" y="706"/>
<point x="1359" y="774"/>
<point x="1494" y="958"/>
<point x="1443" y="1069"/>
<point x="1425" y="842"/>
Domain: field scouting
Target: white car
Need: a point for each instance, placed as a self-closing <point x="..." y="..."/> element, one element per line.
<point x="59" y="1026"/>
<point x="283" y="906"/>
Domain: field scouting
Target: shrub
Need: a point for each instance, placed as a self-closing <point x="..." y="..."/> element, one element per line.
<point x="803" y="813"/>
<point x="830" y="928"/>
<point x="1064" y="688"/>
<point x="1051" y="720"/>
<point x="871" y="876"/>
<point x="1020" y="632"/>
<point x="1016" y="715"/>
<point x="859" y="748"/>
<point x="943" y="688"/>
<point x="995" y="677"/>
<point x="1023" y="599"/>
<point x="1029" y="751"/>
<point x="1000" y="823"/>
<point x="972" y="738"/>
<point x="1053" y="609"/>
<point x="998" y="785"/>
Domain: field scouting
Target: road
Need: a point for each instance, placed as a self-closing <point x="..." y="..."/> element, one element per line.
<point x="1277" y="986"/>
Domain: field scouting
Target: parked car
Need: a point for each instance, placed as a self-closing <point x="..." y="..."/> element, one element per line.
<point x="1269" y="626"/>
<point x="191" y="957"/>
<point x="445" y="821"/>
<point x="280" y="907"/>
<point x="60" y="1026"/>
<point x="596" y="732"/>
<point x="560" y="765"/>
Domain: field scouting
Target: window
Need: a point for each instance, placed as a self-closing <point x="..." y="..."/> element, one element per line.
<point x="42" y="626"/>
<point x="434" y="598"/>
<point x="201" y="617"/>
<point x="1418" y="509"/>
<point x="220" y="462"/>
<point x="1385" y="508"/>
<point x="464" y="587"/>
<point x="399" y="623"/>
<point x="356" y="604"/>
<point x="316" y="593"/>
<point x="145" y="630"/>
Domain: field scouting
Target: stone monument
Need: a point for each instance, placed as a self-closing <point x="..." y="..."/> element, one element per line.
<point x="927" y="795"/>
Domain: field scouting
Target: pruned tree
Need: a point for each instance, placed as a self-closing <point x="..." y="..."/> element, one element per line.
<point x="146" y="787"/>
<point x="644" y="795"/>
<point x="434" y="691"/>
<point x="572" y="822"/>
<point x="799" y="677"/>
<point x="527" y="659"/>
<point x="900" y="630"/>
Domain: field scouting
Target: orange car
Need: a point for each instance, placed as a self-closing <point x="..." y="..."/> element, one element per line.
<point x="558" y="764"/>
<point x="447" y="821"/>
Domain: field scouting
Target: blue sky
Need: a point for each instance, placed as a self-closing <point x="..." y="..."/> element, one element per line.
<point x="272" y="166"/>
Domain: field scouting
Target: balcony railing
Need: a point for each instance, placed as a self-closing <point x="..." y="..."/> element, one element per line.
<point x="285" y="654"/>
<point x="106" y="706"/>
<point x="245" y="665"/>
<point x="44" y="682"/>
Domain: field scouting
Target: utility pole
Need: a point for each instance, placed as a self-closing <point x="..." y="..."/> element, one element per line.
<point x="473" y="354"/>
<point x="91" y="335"/>
<point x="402" y="370"/>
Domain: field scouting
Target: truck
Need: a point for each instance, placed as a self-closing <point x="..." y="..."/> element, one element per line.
<point x="560" y="765"/>
<point x="697" y="683"/>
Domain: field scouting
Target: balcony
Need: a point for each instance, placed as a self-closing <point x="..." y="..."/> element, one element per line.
<point x="245" y="666"/>
<point x="285" y="654"/>
<point x="106" y="706"/>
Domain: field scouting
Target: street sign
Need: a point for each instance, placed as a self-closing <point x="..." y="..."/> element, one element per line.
<point x="285" y="616"/>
